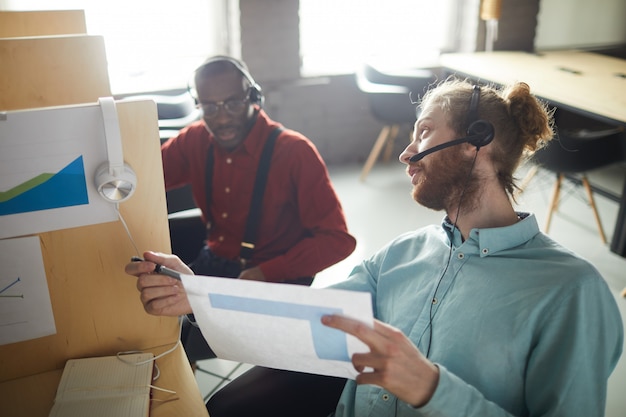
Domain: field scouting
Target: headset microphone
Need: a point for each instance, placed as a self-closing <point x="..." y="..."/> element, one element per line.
<point x="479" y="132"/>
<point x="466" y="139"/>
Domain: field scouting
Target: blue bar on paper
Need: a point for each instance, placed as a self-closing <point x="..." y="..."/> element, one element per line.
<point x="329" y="343"/>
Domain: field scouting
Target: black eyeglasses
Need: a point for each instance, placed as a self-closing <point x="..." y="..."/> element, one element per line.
<point x="233" y="106"/>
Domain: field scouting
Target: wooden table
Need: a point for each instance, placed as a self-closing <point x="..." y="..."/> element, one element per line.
<point x="586" y="83"/>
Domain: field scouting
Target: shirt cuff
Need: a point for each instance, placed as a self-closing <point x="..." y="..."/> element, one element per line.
<point x="453" y="396"/>
<point x="440" y="399"/>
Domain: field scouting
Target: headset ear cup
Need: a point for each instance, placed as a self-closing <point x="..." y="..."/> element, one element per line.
<point x="118" y="187"/>
<point x="484" y="132"/>
<point x="256" y="95"/>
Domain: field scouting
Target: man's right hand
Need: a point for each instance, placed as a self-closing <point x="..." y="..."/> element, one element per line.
<point x="161" y="295"/>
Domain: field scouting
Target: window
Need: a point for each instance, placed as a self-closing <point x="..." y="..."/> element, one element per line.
<point x="151" y="44"/>
<point x="337" y="36"/>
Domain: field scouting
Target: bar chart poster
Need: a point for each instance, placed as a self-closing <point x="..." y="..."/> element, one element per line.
<point x="25" y="306"/>
<point x="48" y="158"/>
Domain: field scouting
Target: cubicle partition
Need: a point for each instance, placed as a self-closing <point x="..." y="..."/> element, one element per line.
<point x="96" y="306"/>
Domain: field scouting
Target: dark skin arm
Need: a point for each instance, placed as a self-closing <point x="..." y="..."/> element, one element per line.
<point x="160" y="295"/>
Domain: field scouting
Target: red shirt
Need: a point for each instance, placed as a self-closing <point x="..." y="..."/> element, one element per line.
<point x="302" y="226"/>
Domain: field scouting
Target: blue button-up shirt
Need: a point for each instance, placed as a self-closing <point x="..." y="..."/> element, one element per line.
<point x="517" y="324"/>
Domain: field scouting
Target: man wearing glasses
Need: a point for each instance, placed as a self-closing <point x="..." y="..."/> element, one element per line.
<point x="301" y="228"/>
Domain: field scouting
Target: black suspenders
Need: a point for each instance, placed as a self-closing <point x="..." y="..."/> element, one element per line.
<point x="252" y="224"/>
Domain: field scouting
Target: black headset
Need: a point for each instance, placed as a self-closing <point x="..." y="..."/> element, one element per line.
<point x="256" y="94"/>
<point x="480" y="132"/>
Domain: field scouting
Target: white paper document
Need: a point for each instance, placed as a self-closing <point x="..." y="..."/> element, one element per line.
<point x="47" y="174"/>
<point x="25" y="306"/>
<point x="278" y="325"/>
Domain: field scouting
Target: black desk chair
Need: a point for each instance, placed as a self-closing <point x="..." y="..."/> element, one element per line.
<point x="390" y="103"/>
<point x="581" y="145"/>
<point x="174" y="111"/>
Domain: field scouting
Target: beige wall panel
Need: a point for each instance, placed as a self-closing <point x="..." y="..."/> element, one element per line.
<point x="52" y="71"/>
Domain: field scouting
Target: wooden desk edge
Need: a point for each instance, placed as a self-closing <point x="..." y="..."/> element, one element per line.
<point x="468" y="65"/>
<point x="33" y="396"/>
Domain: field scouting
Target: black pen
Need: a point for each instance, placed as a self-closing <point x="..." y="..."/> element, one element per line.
<point x="159" y="269"/>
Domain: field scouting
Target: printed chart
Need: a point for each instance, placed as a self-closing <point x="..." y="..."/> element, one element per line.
<point x="46" y="191"/>
<point x="48" y="158"/>
<point x="25" y="307"/>
<point x="281" y="321"/>
<point x="328" y="343"/>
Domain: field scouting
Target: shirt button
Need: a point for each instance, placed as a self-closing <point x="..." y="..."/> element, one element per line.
<point x="460" y="255"/>
<point x="229" y="160"/>
<point x="221" y="238"/>
<point x="227" y="190"/>
<point x="485" y="251"/>
<point x="434" y="301"/>
<point x="224" y="215"/>
<point x="385" y="397"/>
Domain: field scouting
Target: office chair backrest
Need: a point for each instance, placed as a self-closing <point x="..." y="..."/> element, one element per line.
<point x="579" y="150"/>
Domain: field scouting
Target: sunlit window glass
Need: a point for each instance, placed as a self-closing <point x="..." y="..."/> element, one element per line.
<point x="336" y="36"/>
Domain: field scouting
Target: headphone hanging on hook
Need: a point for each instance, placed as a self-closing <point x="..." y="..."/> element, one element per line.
<point x="115" y="180"/>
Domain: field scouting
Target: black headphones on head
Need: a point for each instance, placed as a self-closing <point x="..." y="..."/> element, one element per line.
<point x="480" y="132"/>
<point x="256" y="94"/>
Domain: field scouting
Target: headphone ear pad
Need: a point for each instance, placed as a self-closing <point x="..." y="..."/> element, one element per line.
<point x="256" y="95"/>
<point x="118" y="187"/>
<point x="483" y="130"/>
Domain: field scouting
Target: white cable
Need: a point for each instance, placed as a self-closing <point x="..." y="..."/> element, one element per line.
<point x="120" y="355"/>
<point x="130" y="236"/>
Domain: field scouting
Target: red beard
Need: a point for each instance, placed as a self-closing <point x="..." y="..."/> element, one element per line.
<point x="444" y="180"/>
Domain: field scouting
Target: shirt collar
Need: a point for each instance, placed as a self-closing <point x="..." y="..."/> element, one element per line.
<point x="496" y="239"/>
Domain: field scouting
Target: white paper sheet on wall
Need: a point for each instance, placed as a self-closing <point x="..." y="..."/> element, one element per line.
<point x="48" y="158"/>
<point x="25" y="307"/>
<point x="278" y="325"/>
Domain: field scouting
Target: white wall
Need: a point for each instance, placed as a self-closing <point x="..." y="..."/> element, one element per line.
<point x="580" y="23"/>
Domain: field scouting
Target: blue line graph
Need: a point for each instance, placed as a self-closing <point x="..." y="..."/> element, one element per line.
<point x="3" y="290"/>
<point x="329" y="343"/>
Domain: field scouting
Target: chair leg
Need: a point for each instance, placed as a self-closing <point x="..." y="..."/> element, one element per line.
<point x="223" y="379"/>
<point x="529" y="176"/>
<point x="593" y="207"/>
<point x="390" y="141"/>
<point x="378" y="146"/>
<point x="554" y="202"/>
